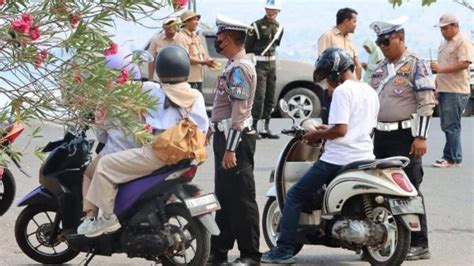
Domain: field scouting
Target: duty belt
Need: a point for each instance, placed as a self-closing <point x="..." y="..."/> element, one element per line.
<point x="224" y="125"/>
<point x="265" y="58"/>
<point x="392" y="126"/>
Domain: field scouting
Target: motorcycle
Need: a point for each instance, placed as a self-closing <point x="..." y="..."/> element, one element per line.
<point x="164" y="217"/>
<point x="11" y="131"/>
<point x="370" y="206"/>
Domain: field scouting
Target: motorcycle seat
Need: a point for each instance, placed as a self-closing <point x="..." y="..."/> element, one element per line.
<point x="371" y="164"/>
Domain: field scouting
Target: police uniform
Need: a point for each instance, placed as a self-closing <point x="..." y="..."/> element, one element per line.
<point x="232" y="127"/>
<point x="262" y="41"/>
<point x="407" y="98"/>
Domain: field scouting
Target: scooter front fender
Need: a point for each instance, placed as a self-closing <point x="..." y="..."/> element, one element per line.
<point x="39" y="196"/>
<point x="271" y="192"/>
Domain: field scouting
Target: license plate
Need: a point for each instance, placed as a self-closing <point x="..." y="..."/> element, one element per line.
<point x="407" y="206"/>
<point x="203" y="204"/>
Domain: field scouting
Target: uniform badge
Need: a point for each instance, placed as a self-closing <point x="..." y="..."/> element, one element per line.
<point x="405" y="69"/>
<point x="399" y="81"/>
<point x="398" y="91"/>
<point x="377" y="29"/>
<point x="378" y="70"/>
<point x="264" y="27"/>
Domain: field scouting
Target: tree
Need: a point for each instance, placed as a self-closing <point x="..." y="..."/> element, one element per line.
<point x="52" y="61"/>
<point x="465" y="3"/>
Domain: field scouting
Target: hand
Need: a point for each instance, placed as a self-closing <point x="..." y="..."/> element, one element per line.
<point x="418" y="148"/>
<point x="311" y="137"/>
<point x="435" y="67"/>
<point x="209" y="62"/>
<point x="230" y="160"/>
<point x="364" y="65"/>
<point x="322" y="127"/>
<point x="208" y="137"/>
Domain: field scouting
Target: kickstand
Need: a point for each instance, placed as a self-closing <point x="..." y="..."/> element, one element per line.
<point x="89" y="256"/>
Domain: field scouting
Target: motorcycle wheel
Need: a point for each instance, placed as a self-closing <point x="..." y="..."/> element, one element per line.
<point x="7" y="191"/>
<point x="32" y="230"/>
<point x="270" y="221"/>
<point x="197" y="240"/>
<point x="397" y="243"/>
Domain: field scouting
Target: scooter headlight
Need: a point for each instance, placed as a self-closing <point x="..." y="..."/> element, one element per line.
<point x="310" y="124"/>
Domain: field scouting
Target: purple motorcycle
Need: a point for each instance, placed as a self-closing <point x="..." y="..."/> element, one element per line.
<point x="164" y="217"/>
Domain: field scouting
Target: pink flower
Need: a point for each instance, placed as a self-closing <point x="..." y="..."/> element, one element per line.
<point x="148" y="129"/>
<point x="20" y="25"/>
<point x="100" y="116"/>
<point x="34" y="33"/>
<point x="179" y="3"/>
<point x="74" y="20"/>
<point x="28" y="18"/>
<point x="123" y="77"/>
<point x="2" y="2"/>
<point x="113" y="49"/>
<point x="77" y="78"/>
<point x="44" y="54"/>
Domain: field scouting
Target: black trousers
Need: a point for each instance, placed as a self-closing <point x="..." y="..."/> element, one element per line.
<point x="398" y="143"/>
<point x="235" y="190"/>
<point x="264" y="100"/>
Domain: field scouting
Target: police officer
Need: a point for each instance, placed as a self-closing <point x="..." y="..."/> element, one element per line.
<point x="262" y="41"/>
<point x="406" y="91"/>
<point x="234" y="147"/>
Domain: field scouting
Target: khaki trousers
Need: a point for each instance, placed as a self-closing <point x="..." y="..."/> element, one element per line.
<point x="117" y="168"/>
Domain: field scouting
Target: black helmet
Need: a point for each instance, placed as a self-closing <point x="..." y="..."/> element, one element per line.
<point x="332" y="63"/>
<point x="172" y="65"/>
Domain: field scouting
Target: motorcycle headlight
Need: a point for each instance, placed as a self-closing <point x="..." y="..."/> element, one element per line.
<point x="310" y="124"/>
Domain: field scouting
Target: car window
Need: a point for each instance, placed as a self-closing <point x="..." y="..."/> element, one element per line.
<point x="210" y="46"/>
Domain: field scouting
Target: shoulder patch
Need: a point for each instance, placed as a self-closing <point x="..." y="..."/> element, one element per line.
<point x="238" y="84"/>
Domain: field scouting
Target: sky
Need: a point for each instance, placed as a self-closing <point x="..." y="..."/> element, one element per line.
<point x="306" y="20"/>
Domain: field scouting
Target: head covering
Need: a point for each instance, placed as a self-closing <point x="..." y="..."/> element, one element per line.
<point x="447" y="19"/>
<point x="224" y="23"/>
<point x="189" y="14"/>
<point x="171" y="21"/>
<point x="123" y="60"/>
<point x="382" y="28"/>
<point x="273" y="4"/>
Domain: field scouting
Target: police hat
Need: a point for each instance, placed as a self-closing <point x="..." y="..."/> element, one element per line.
<point x="224" y="23"/>
<point x="387" y="27"/>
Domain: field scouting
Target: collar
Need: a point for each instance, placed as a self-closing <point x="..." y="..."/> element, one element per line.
<point x="337" y="31"/>
<point x="189" y="33"/>
<point x="241" y="54"/>
<point x="456" y="37"/>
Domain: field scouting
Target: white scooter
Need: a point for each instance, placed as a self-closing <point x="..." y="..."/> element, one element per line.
<point x="370" y="206"/>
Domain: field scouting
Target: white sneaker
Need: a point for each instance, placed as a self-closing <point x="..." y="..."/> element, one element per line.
<point x="103" y="225"/>
<point x="84" y="226"/>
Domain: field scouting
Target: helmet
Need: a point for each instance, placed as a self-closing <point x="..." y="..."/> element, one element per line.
<point x="123" y="61"/>
<point x="273" y="4"/>
<point x="172" y="64"/>
<point x="332" y="63"/>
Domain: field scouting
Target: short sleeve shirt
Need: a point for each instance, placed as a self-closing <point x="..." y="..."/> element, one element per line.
<point x="450" y="52"/>
<point x="191" y="42"/>
<point x="356" y="105"/>
<point x="335" y="38"/>
<point x="158" y="42"/>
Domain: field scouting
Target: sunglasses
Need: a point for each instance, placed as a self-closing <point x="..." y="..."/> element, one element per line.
<point x="385" y="40"/>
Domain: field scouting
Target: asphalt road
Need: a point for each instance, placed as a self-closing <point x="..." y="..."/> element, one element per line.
<point x="449" y="195"/>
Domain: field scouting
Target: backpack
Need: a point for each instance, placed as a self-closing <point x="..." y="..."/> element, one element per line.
<point x="183" y="141"/>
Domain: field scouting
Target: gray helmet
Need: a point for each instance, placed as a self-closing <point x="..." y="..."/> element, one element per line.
<point x="172" y="65"/>
<point x="332" y="63"/>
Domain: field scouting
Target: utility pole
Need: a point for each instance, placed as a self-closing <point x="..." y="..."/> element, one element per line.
<point x="192" y="5"/>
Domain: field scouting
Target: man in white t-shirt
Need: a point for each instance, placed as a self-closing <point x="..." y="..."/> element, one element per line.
<point x="352" y="118"/>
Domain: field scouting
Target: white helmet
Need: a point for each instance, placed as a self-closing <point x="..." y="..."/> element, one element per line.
<point x="273" y="4"/>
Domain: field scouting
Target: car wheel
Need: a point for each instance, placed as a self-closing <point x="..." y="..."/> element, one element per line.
<point x="302" y="103"/>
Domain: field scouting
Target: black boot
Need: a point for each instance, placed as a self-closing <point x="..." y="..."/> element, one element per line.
<point x="267" y="132"/>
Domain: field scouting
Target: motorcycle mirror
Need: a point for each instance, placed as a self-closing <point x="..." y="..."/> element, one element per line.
<point x="286" y="109"/>
<point x="284" y="106"/>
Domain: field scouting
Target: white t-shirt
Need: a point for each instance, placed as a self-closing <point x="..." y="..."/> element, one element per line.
<point x="355" y="104"/>
<point x="162" y="119"/>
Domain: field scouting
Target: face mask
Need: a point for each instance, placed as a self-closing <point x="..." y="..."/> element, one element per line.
<point x="217" y="45"/>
